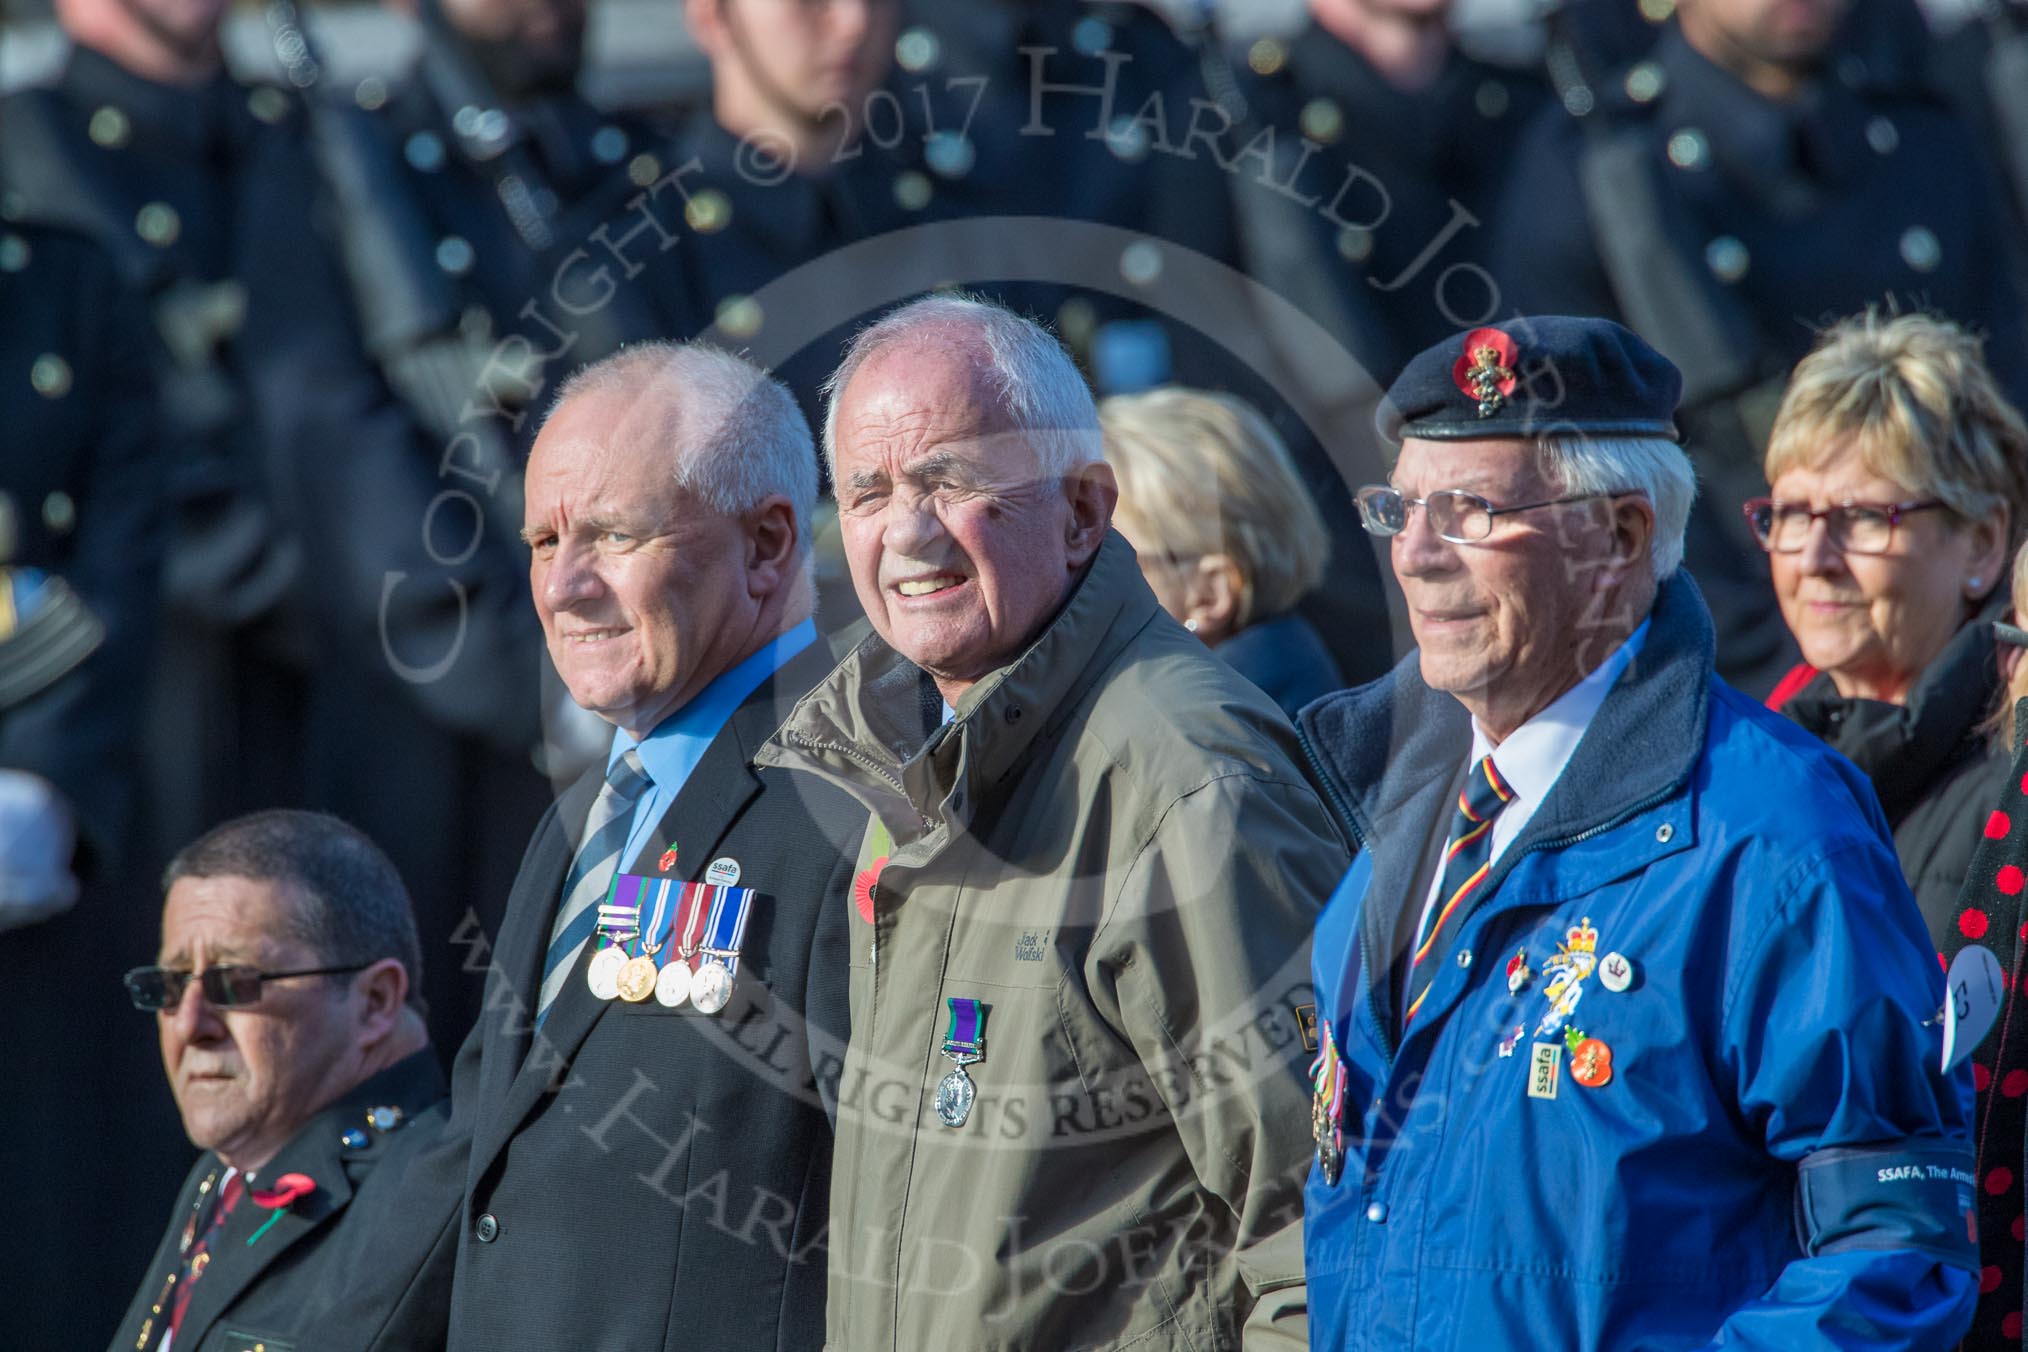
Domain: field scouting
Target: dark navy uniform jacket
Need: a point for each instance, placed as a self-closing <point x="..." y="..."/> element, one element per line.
<point x="1776" y="1159"/>
<point x="269" y="1292"/>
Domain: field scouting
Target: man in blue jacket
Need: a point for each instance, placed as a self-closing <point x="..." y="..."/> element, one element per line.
<point x="1628" y="1021"/>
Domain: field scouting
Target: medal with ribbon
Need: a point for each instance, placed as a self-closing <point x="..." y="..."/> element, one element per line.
<point x="1327" y="1106"/>
<point x="672" y="982"/>
<point x="619" y="922"/>
<point x="639" y="974"/>
<point x="724" y="931"/>
<point x="964" y="1043"/>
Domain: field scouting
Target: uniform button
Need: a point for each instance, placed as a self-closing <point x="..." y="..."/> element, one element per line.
<point x="1464" y="957"/>
<point x="1322" y="120"/>
<point x="1267" y="57"/>
<point x="709" y="212"/>
<point x="1377" y="1212"/>
<point x="109" y="127"/>
<point x="158" y="224"/>
<point x="917" y="50"/>
<point x="1920" y="249"/>
<point x="739" y="316"/>
<point x="487" y="1230"/>
<point x="1727" y="258"/>
<point x="912" y="191"/>
<point x="1645" y="82"/>
<point x="424" y="152"/>
<point x="50" y="376"/>
<point x="609" y="145"/>
<point x="454" y="255"/>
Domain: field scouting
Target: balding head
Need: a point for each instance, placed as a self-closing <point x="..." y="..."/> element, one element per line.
<point x="667" y="508"/>
<point x="971" y="495"/>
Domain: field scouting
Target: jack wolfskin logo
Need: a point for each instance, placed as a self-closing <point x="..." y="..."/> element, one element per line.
<point x="1029" y="947"/>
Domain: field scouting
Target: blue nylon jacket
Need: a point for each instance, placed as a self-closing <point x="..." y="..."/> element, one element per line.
<point x="1776" y="1160"/>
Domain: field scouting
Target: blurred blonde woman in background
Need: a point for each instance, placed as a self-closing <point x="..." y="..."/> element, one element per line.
<point x="1227" y="536"/>
<point x="1899" y="475"/>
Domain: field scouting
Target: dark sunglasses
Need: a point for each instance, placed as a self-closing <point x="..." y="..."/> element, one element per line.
<point x="226" y="986"/>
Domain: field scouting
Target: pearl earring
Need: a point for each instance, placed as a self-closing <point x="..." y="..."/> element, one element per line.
<point x="1191" y="625"/>
<point x="1974" y="583"/>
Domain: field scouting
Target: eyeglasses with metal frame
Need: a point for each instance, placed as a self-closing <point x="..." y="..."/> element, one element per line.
<point x="1852" y="527"/>
<point x="225" y="986"/>
<point x="1457" y="516"/>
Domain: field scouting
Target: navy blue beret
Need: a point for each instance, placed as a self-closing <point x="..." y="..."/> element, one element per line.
<point x="1544" y="376"/>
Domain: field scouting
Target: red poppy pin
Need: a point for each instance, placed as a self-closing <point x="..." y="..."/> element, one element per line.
<point x="667" y="863"/>
<point x="1486" y="370"/>
<point x="288" y="1190"/>
<point x="863" y="885"/>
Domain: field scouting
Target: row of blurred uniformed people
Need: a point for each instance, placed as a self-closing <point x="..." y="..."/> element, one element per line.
<point x="236" y="451"/>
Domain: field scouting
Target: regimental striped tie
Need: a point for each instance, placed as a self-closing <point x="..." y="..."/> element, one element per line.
<point x="1467" y="859"/>
<point x="591" y="873"/>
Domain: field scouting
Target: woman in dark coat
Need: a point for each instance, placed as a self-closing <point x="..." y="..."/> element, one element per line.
<point x="1899" y="477"/>
<point x="1226" y="533"/>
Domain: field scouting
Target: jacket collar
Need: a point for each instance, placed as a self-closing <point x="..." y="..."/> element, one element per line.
<point x="1382" y="744"/>
<point x="412" y="1084"/>
<point x="863" y="725"/>
<point x="1387" y="755"/>
<point x="1904" y="748"/>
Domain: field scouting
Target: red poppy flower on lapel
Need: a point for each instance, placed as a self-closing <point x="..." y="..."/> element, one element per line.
<point x="288" y="1190"/>
<point x="863" y="885"/>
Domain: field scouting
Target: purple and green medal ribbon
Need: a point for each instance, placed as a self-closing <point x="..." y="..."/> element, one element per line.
<point x="726" y="929"/>
<point x="623" y="895"/>
<point x="968" y="1025"/>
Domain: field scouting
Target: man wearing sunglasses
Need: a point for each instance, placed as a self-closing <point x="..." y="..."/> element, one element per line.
<point x="1627" y="1017"/>
<point x="294" y="1043"/>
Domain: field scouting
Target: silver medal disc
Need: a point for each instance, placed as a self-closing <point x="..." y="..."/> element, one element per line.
<point x="711" y="988"/>
<point x="955" y="1093"/>
<point x="603" y="976"/>
<point x="672" y="986"/>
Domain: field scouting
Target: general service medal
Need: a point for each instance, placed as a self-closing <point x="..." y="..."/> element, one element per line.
<point x="955" y="1092"/>
<point x="603" y="976"/>
<point x="964" y="1044"/>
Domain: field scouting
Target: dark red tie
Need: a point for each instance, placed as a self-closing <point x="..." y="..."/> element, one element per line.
<point x="199" y="1256"/>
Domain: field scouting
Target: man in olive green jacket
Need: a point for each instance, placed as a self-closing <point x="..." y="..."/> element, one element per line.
<point x="1074" y="1110"/>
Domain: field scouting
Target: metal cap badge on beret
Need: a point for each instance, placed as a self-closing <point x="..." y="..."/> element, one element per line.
<point x="1543" y="376"/>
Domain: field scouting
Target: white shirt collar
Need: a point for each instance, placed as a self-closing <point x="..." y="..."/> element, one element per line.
<point x="1532" y="757"/>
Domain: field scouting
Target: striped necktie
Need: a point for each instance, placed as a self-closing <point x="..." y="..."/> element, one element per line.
<point x="591" y="873"/>
<point x="1467" y="859"/>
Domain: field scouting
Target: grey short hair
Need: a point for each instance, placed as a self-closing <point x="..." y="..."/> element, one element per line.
<point x="344" y="899"/>
<point x="1654" y="467"/>
<point x="1037" y="383"/>
<point x="738" y="435"/>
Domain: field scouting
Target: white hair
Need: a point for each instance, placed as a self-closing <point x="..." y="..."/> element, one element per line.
<point x="1037" y="383"/>
<point x="734" y="433"/>
<point x="1654" y="467"/>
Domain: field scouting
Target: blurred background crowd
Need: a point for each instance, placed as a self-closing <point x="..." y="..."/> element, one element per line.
<point x="284" y="292"/>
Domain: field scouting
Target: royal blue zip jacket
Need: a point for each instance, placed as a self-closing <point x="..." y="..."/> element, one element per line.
<point x="1776" y="1160"/>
